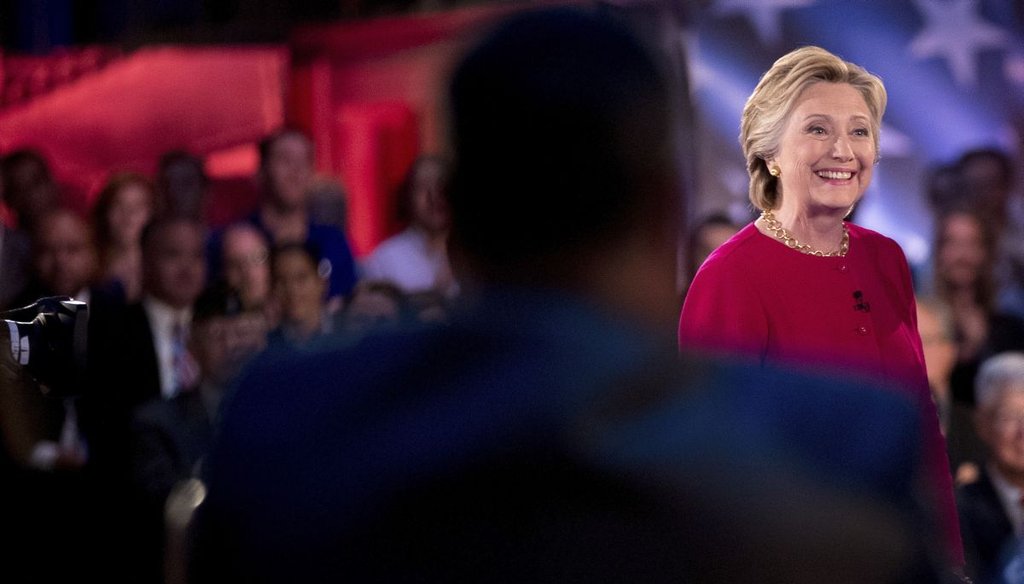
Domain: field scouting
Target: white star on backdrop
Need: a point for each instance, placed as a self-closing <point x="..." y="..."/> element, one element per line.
<point x="764" y="15"/>
<point x="955" y="31"/>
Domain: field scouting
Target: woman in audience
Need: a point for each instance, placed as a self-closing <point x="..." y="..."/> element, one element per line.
<point x="125" y="204"/>
<point x="416" y="260"/>
<point x="964" y="280"/>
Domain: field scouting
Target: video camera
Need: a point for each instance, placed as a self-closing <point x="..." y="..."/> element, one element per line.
<point x="48" y="342"/>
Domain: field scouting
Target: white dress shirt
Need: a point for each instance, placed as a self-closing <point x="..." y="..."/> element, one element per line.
<point x="162" y="320"/>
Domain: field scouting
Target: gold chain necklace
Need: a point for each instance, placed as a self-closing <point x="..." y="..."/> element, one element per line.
<point x="772" y="224"/>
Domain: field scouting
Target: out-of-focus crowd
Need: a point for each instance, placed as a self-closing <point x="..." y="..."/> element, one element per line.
<point x="177" y="307"/>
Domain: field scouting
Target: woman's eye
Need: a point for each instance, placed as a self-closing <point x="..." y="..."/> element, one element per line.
<point x="861" y="132"/>
<point x="816" y="130"/>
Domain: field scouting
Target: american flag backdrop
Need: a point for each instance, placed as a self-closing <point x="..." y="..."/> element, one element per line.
<point x="954" y="71"/>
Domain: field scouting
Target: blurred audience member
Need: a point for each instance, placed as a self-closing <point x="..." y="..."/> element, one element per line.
<point x="964" y="279"/>
<point x="300" y="289"/>
<point x="181" y="185"/>
<point x="989" y="176"/>
<point x="171" y="437"/>
<point x="64" y="265"/>
<point x="245" y="257"/>
<point x="710" y="232"/>
<point x="286" y="174"/>
<point x="374" y="304"/>
<point x="29" y="187"/>
<point x="935" y="326"/>
<point x="122" y="209"/>
<point x="992" y="507"/>
<point x="15" y="258"/>
<point x="156" y="330"/>
<point x="938" y="338"/>
<point x="416" y="259"/>
<point x="65" y="261"/>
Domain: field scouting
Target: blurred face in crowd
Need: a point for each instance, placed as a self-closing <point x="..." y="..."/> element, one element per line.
<point x="29" y="189"/>
<point x="246" y="264"/>
<point x="289" y="170"/>
<point x="961" y="253"/>
<point x="429" y="207"/>
<point x="370" y="308"/>
<point x="222" y="344"/>
<point x="939" y="347"/>
<point x="827" y="152"/>
<point x="175" y="264"/>
<point x="65" y="258"/>
<point x="989" y="185"/>
<point x="1001" y="426"/>
<point x="184" y="184"/>
<point x="299" y="288"/>
<point x="129" y="212"/>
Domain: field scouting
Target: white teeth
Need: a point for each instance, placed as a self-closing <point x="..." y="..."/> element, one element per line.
<point x="835" y="175"/>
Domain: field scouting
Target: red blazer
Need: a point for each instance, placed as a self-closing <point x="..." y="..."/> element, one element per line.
<point x="847" y="315"/>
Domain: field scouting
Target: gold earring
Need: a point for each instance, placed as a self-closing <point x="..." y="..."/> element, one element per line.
<point x="775" y="171"/>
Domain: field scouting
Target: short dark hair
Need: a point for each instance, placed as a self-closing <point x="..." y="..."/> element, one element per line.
<point x="403" y="197"/>
<point x="563" y="135"/>
<point x="160" y="223"/>
<point x="1002" y="159"/>
<point x="306" y="250"/>
<point x="267" y="143"/>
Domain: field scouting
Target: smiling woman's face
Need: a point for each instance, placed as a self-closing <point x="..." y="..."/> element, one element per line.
<point x="827" y="151"/>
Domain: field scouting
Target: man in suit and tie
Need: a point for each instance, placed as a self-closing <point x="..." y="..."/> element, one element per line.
<point x="992" y="507"/>
<point x="156" y="329"/>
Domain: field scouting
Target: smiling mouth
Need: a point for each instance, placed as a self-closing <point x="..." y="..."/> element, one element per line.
<point x="835" y="174"/>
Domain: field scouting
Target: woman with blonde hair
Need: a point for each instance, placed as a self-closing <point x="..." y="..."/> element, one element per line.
<point x="801" y="285"/>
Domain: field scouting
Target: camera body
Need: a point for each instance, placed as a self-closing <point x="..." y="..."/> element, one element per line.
<point x="49" y="341"/>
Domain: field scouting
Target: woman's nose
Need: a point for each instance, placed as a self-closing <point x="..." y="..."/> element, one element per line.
<point x="841" y="149"/>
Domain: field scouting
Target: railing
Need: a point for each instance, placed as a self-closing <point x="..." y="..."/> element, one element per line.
<point x="26" y="77"/>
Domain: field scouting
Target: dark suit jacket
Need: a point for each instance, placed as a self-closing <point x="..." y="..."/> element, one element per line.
<point x="15" y="258"/>
<point x="986" y="530"/>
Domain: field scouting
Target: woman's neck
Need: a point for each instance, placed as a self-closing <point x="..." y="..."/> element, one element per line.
<point x="823" y="231"/>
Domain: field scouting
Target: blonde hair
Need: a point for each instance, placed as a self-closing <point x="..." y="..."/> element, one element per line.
<point x="768" y="108"/>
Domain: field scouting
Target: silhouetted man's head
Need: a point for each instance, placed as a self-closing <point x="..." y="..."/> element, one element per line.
<point x="563" y="132"/>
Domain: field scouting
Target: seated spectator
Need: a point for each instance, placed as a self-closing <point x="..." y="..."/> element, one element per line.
<point x="15" y="256"/>
<point x="29" y="187"/>
<point x="991" y="513"/>
<point x="373" y="305"/>
<point x="705" y="237"/>
<point x="181" y="185"/>
<point x="956" y="418"/>
<point x="300" y="281"/>
<point x="245" y="257"/>
<point x="964" y="280"/>
<point x="416" y="260"/>
<point x="171" y="437"/>
<point x="124" y="206"/>
<point x="64" y="264"/>
<point x="285" y="176"/>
